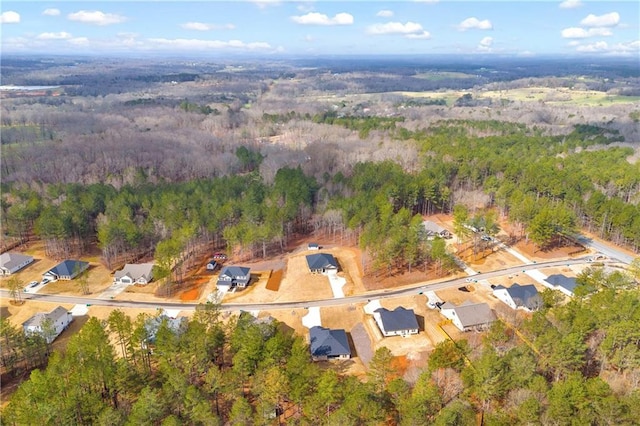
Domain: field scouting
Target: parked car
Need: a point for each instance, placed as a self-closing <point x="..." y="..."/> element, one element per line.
<point x="219" y="256"/>
<point x="33" y="284"/>
<point x="45" y="281"/>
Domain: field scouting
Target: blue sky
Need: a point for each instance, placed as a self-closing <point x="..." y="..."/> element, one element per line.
<point x="272" y="27"/>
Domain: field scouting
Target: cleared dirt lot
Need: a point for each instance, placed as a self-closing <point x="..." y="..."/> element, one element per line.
<point x="297" y="282"/>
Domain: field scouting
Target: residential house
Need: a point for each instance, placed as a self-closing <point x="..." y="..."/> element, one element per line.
<point x="313" y="246"/>
<point x="234" y="276"/>
<point x="432" y="230"/>
<point x="519" y="296"/>
<point x="321" y="263"/>
<point x="49" y="325"/>
<point x="212" y="265"/>
<point x="399" y="322"/>
<point x="177" y="325"/>
<point x="134" y="273"/>
<point x="328" y="344"/>
<point x="468" y="316"/>
<point x="67" y="270"/>
<point x="13" y="262"/>
<point x="562" y="283"/>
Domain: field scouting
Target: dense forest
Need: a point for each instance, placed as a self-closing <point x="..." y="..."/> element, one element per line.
<point x="575" y="363"/>
<point x="167" y="161"/>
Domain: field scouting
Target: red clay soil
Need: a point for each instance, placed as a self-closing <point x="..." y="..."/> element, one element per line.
<point x="193" y="288"/>
<point x="400" y="364"/>
<point x="275" y="278"/>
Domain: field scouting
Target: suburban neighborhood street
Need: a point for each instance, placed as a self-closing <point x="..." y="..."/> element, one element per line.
<point x="405" y="291"/>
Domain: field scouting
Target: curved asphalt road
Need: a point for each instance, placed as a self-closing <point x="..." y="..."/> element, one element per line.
<point x="405" y="291"/>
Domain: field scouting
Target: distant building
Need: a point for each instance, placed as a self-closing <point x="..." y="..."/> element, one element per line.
<point x="321" y="263"/>
<point x="67" y="270"/>
<point x="49" y="325"/>
<point x="469" y="316"/>
<point x="140" y="273"/>
<point x="328" y="344"/>
<point x="399" y="322"/>
<point x="313" y="246"/>
<point x="13" y="262"/>
<point x="432" y="229"/>
<point x="519" y="296"/>
<point x="212" y="265"/>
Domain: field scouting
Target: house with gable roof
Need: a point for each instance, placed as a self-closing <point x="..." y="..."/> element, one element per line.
<point x="327" y="344"/>
<point x="518" y="296"/>
<point x="67" y="270"/>
<point x="321" y="263"/>
<point x="469" y="315"/>
<point x="432" y="230"/>
<point x="13" y="262"/>
<point x="399" y="322"/>
<point x="562" y="283"/>
<point x="234" y="276"/>
<point x="48" y="324"/>
<point x="134" y="273"/>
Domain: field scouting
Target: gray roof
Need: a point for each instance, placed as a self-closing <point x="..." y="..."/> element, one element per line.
<point x="11" y="260"/>
<point x="397" y="320"/>
<point x="326" y="342"/>
<point x="432" y="227"/>
<point x="234" y="274"/>
<point x="321" y="261"/>
<point x="524" y="295"/>
<point x="135" y="271"/>
<point x="69" y="268"/>
<point x="472" y="314"/>
<point x="38" y="319"/>
<point x="563" y="281"/>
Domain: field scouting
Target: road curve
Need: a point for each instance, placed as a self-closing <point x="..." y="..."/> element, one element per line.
<point x="379" y="294"/>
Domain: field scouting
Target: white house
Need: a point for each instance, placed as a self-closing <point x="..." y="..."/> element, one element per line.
<point x="518" y="296"/>
<point x="468" y="316"/>
<point x="432" y="229"/>
<point x="399" y="322"/>
<point x="234" y="276"/>
<point x="50" y="325"/>
<point x="132" y="273"/>
<point x="13" y="262"/>
<point x="66" y="270"/>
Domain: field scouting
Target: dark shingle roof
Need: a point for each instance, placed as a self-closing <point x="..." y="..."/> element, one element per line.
<point x="563" y="281"/>
<point x="398" y="319"/>
<point x="234" y="272"/>
<point x="525" y="295"/>
<point x="326" y="342"/>
<point x="69" y="268"/>
<point x="321" y="261"/>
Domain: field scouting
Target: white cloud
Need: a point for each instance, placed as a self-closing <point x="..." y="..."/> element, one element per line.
<point x="51" y="12"/>
<point x="96" y="17"/>
<point x="474" y="23"/>
<point x="574" y="43"/>
<point x="577" y="32"/>
<point x="315" y="18"/>
<point x="411" y="30"/>
<point x="201" y="26"/>
<point x="385" y="13"/>
<point x="570" y="4"/>
<point x="197" y="44"/>
<point x="607" y="20"/>
<point x="262" y="4"/>
<point x="10" y="17"/>
<point x="618" y="49"/>
<point x="79" y="41"/>
<point x="485" y="44"/>
<point x="54" y="36"/>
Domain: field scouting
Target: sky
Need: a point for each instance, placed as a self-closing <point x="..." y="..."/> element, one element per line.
<point x="280" y="28"/>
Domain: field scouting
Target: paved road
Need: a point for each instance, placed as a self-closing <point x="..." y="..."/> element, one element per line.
<point x="610" y="252"/>
<point x="404" y="291"/>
